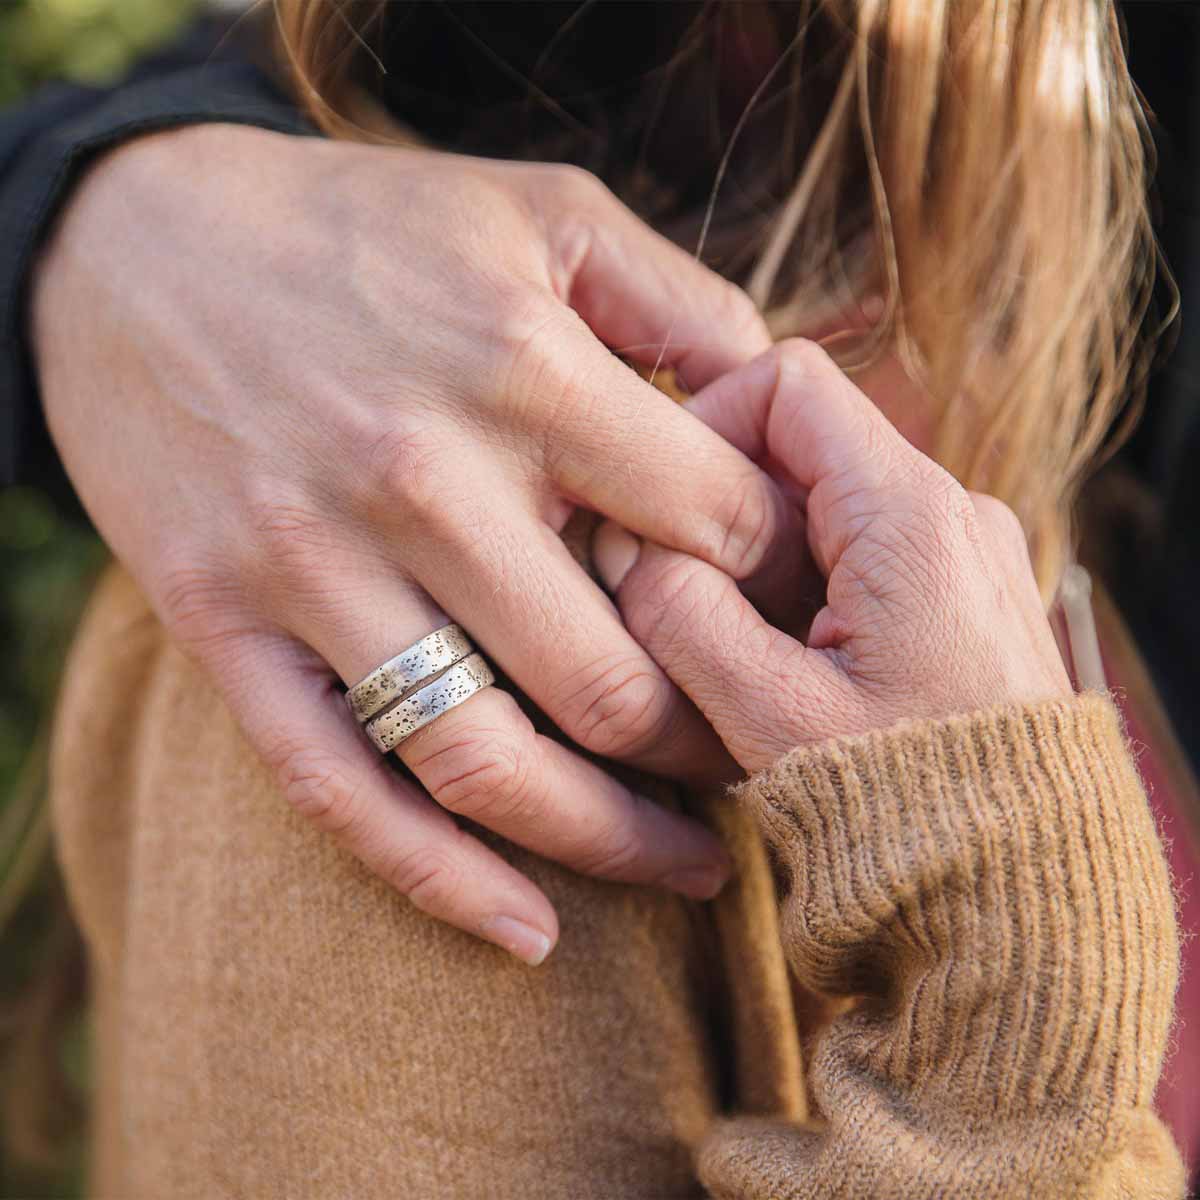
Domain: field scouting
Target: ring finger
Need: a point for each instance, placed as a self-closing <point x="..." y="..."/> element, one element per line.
<point x="483" y="760"/>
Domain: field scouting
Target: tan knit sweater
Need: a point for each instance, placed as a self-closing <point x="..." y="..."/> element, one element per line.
<point x="976" y="913"/>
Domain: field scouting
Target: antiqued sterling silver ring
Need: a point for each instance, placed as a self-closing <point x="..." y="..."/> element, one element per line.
<point x="456" y="684"/>
<point x="407" y="670"/>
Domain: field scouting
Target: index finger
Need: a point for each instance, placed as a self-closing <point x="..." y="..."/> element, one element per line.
<point x="622" y="448"/>
<point x="795" y="406"/>
<point x="796" y="410"/>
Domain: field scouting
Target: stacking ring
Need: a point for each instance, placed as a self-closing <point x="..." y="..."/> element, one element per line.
<point x="415" y="687"/>
<point x="420" y="662"/>
<point x="414" y="712"/>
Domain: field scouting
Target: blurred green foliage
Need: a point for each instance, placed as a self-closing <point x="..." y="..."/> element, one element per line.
<point x="85" y="41"/>
<point x="48" y="559"/>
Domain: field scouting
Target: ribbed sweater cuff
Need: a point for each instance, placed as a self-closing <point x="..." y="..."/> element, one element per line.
<point x="997" y="879"/>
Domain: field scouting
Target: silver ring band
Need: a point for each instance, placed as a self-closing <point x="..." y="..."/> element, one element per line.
<point x="448" y="690"/>
<point x="433" y="653"/>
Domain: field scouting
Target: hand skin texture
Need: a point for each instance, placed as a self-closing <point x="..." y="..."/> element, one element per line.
<point x="931" y="604"/>
<point x="321" y="398"/>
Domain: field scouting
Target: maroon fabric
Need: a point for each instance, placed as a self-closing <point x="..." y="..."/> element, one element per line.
<point x="1178" y="1099"/>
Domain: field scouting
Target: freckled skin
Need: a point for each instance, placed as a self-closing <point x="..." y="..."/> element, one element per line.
<point x="340" y="483"/>
<point x="342" y="480"/>
<point x="931" y="606"/>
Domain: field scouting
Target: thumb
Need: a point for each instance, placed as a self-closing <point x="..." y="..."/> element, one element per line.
<point x="646" y="298"/>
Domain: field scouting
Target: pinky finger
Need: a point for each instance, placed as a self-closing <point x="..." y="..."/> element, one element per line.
<point x="286" y="702"/>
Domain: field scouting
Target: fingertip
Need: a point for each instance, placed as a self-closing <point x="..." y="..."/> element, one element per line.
<point x="698" y="883"/>
<point x="726" y="327"/>
<point x="730" y="406"/>
<point x="615" y="551"/>
<point x="522" y="940"/>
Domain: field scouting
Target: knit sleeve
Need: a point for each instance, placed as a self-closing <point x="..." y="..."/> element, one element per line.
<point x="989" y="897"/>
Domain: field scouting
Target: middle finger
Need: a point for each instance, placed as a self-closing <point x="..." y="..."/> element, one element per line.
<point x="558" y="636"/>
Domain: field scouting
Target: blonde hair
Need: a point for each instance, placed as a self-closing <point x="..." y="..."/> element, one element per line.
<point x="981" y="167"/>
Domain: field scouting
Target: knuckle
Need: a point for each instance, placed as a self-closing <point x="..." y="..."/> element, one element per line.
<point x="958" y="525"/>
<point x="570" y="183"/>
<point x="739" y="311"/>
<point x="578" y="208"/>
<point x="318" y="786"/>
<point x="941" y="493"/>
<point x="484" y="774"/>
<point x="951" y="498"/>
<point x="401" y="472"/>
<point x="799" y="357"/>
<point x="430" y="876"/>
<point x="659" y="605"/>
<point x="940" y="511"/>
<point x="614" y="708"/>
<point x="1000" y="521"/>
<point x="613" y="852"/>
<point x="415" y="486"/>
<point x="199" y="605"/>
<point x="529" y="363"/>
<point x="750" y="523"/>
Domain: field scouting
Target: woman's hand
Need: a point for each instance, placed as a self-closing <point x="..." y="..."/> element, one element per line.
<point x="322" y="398"/>
<point x="931" y="606"/>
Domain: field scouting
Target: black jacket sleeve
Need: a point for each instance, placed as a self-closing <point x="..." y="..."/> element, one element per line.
<point x="43" y="147"/>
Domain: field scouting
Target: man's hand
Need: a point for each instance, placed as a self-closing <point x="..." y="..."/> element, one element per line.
<point x="320" y="398"/>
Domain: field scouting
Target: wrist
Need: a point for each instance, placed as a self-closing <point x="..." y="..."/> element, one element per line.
<point x="129" y="192"/>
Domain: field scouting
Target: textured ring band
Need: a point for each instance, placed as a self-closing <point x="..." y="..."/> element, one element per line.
<point x="426" y="704"/>
<point x="433" y="653"/>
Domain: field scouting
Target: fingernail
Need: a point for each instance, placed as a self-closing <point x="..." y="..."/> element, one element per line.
<point x="872" y="307"/>
<point x="614" y="551"/>
<point x="526" y="943"/>
<point x="697" y="883"/>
